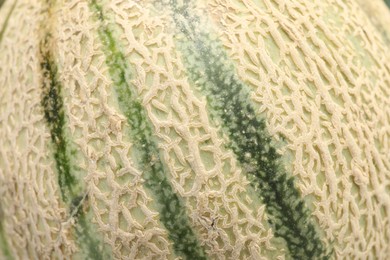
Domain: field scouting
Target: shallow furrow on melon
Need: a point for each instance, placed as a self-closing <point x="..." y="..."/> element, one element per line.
<point x="172" y="212"/>
<point x="72" y="191"/>
<point x="206" y="129"/>
<point x="226" y="223"/>
<point x="71" y="186"/>
<point x="70" y="175"/>
<point x="29" y="193"/>
<point x="70" y="182"/>
<point x="52" y="104"/>
<point x="123" y="207"/>
<point x="229" y="103"/>
<point x="322" y="101"/>
<point x="89" y="240"/>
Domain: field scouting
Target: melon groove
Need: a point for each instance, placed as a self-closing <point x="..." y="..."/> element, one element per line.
<point x="229" y="102"/>
<point x="172" y="210"/>
<point x="205" y="129"/>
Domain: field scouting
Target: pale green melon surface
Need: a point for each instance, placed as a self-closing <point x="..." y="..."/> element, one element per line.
<point x="220" y="129"/>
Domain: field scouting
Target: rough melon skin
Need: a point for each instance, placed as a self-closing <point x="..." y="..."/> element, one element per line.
<point x="175" y="129"/>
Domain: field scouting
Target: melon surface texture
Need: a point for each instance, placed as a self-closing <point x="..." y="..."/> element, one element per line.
<point x="177" y="129"/>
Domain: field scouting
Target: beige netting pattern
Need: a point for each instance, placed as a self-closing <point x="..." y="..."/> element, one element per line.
<point x="123" y="210"/>
<point x="202" y="171"/>
<point x="34" y="218"/>
<point x="319" y="73"/>
<point x="5" y="9"/>
<point x="379" y="14"/>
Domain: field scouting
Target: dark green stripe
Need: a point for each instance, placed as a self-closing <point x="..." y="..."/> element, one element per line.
<point x="230" y="105"/>
<point x="171" y="208"/>
<point x="91" y="245"/>
<point x="7" y="19"/>
<point x="1" y="3"/>
<point x="53" y="107"/>
<point x="4" y="247"/>
<point x="388" y="3"/>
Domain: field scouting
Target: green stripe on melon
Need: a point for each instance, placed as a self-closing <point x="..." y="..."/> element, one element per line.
<point x="27" y="157"/>
<point x="124" y="210"/>
<point x="72" y="189"/>
<point x="229" y="239"/>
<point x="52" y="103"/>
<point x="285" y="65"/>
<point x="229" y="102"/>
<point x="162" y="107"/>
<point x="172" y="211"/>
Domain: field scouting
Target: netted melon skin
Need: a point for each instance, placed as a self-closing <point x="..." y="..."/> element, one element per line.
<point x="220" y="129"/>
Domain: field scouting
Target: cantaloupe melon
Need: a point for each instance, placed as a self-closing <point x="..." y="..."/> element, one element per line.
<point x="177" y="129"/>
